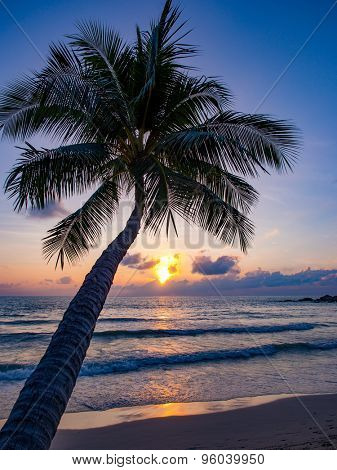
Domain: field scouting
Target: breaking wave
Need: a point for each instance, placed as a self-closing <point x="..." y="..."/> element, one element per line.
<point x="10" y="372"/>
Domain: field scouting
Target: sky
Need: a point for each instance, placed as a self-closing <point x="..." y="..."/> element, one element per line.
<point x="278" y="58"/>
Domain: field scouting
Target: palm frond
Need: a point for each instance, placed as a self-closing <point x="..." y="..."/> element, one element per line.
<point x="170" y="35"/>
<point x="163" y="47"/>
<point x="85" y="102"/>
<point x="158" y="207"/>
<point x="269" y="142"/>
<point x="66" y="100"/>
<point x="109" y="56"/>
<point x="158" y="60"/>
<point x="46" y="175"/>
<point x="19" y="108"/>
<point x="231" y="188"/>
<point x="192" y="100"/>
<point x="73" y="236"/>
<point x="196" y="203"/>
<point x="186" y="102"/>
<point x="243" y="144"/>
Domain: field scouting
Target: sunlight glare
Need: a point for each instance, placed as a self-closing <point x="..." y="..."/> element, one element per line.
<point x="166" y="267"/>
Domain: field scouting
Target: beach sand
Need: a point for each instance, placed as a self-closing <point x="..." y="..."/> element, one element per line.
<point x="269" y="422"/>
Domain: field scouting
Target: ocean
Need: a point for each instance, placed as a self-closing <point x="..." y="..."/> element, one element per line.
<point x="177" y="349"/>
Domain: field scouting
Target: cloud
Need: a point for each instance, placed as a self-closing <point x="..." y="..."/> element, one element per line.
<point x="53" y="209"/>
<point x="329" y="278"/>
<point x="8" y="285"/>
<point x="222" y="265"/>
<point x="136" y="261"/>
<point x="46" y="282"/>
<point x="64" y="280"/>
<point x="260" y="278"/>
<point x="9" y="288"/>
<point x="130" y="260"/>
<point x="258" y="282"/>
<point x="271" y="234"/>
<point x="147" y="264"/>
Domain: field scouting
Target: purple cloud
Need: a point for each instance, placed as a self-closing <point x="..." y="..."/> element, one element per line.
<point x="259" y="282"/>
<point x="8" y="285"/>
<point x="64" y="280"/>
<point x="136" y="261"/>
<point x="131" y="260"/>
<point x="222" y="265"/>
<point x="147" y="264"/>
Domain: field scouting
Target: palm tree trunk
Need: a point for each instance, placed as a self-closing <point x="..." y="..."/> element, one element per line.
<point x="37" y="412"/>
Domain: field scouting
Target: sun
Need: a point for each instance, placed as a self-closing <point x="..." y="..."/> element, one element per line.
<point x="166" y="267"/>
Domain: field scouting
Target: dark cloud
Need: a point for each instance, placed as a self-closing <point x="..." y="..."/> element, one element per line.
<point x="260" y="278"/>
<point x="136" y="261"/>
<point x="54" y="209"/>
<point x="64" y="280"/>
<point x="222" y="265"/>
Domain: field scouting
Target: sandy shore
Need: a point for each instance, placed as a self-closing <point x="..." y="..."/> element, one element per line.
<point x="272" y="422"/>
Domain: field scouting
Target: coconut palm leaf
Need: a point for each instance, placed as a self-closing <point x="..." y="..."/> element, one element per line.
<point x="159" y="55"/>
<point x="64" y="101"/>
<point x="77" y="233"/>
<point x="241" y="143"/>
<point x="270" y="142"/>
<point x="107" y="54"/>
<point x="47" y="175"/>
<point x="19" y="106"/>
<point x="190" y="101"/>
<point x="172" y="192"/>
<point x="231" y="188"/>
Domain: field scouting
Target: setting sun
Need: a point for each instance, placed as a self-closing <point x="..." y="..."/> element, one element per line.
<point x="166" y="267"/>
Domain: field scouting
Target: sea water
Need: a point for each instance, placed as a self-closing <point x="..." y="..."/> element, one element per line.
<point x="176" y="349"/>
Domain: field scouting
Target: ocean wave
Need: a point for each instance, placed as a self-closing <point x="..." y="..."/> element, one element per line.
<point x="90" y="369"/>
<point x="160" y="333"/>
<point x="101" y="320"/>
<point x="27" y="322"/>
<point x="9" y="372"/>
<point x="145" y="333"/>
<point x="20" y="337"/>
<point x="128" y="320"/>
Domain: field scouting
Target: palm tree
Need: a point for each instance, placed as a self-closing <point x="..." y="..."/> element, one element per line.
<point x="130" y="119"/>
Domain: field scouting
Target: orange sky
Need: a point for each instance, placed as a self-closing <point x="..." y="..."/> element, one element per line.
<point x="24" y="271"/>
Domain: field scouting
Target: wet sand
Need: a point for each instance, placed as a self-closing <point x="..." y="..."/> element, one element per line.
<point x="269" y="422"/>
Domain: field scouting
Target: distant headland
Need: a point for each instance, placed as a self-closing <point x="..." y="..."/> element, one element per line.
<point x="324" y="298"/>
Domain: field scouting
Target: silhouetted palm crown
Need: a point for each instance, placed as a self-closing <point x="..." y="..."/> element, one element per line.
<point x="132" y="115"/>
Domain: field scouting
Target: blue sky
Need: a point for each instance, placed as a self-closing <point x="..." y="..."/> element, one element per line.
<point x="249" y="44"/>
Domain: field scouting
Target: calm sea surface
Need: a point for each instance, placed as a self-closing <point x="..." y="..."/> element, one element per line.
<point x="157" y="350"/>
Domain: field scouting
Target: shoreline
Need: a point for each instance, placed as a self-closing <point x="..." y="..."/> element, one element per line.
<point x="93" y="419"/>
<point x="263" y="422"/>
<point x="283" y="421"/>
